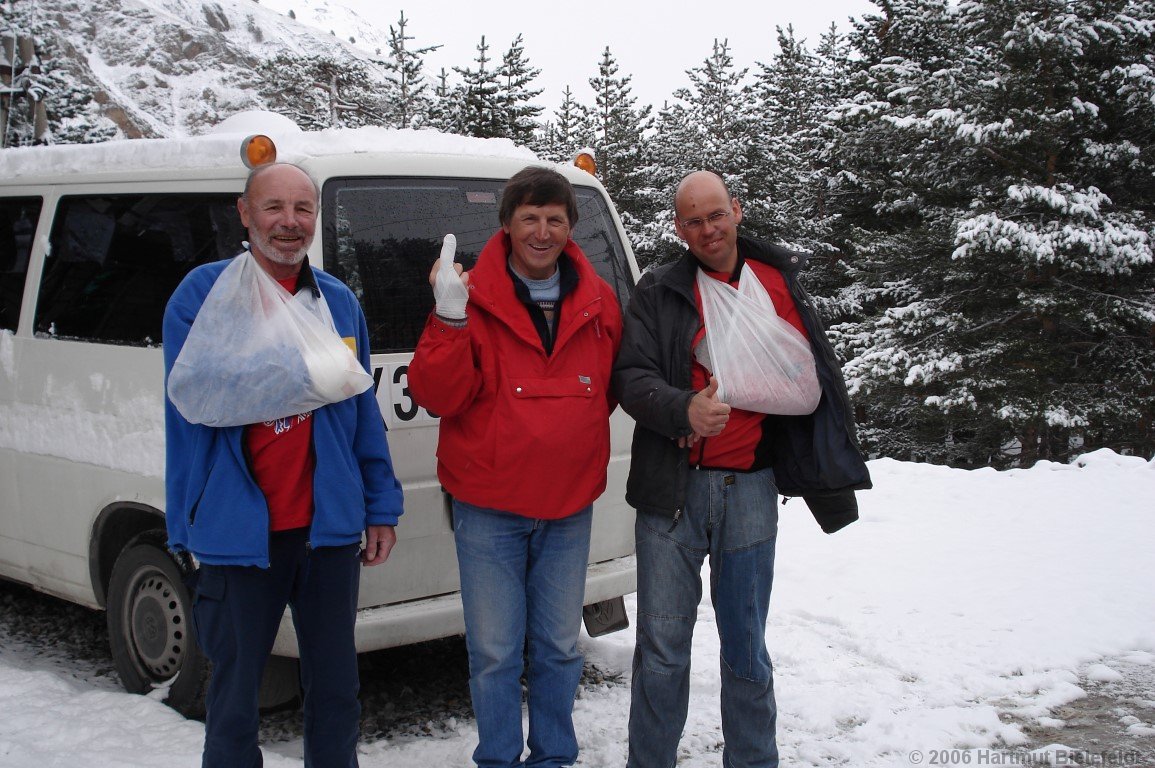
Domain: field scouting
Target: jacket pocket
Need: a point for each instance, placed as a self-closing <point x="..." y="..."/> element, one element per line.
<point x="547" y="426"/>
<point x="558" y="386"/>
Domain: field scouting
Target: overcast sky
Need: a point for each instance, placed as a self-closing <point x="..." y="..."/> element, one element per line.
<point x="654" y="41"/>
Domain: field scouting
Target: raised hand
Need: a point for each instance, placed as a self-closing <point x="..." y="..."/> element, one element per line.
<point x="450" y="284"/>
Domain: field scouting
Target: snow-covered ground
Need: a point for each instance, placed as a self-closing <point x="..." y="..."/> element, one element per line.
<point x="961" y="613"/>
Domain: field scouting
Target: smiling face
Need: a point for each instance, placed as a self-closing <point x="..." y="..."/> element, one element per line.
<point x="280" y="212"/>
<point x="538" y="234"/>
<point x="707" y="218"/>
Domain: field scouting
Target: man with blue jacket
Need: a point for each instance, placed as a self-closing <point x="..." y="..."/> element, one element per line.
<point x="275" y="512"/>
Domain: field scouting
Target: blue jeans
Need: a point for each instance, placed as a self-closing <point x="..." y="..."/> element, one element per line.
<point x="733" y="518"/>
<point x="237" y="610"/>
<point x="522" y="584"/>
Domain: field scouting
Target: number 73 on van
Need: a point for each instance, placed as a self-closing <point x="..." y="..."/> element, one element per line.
<point x="400" y="410"/>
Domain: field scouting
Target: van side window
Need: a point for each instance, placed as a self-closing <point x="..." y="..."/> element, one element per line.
<point x="115" y="260"/>
<point x="18" y="216"/>
<point x="381" y="237"/>
<point x="598" y="238"/>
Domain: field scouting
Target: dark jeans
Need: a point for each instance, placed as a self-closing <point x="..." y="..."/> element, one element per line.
<point x="237" y="610"/>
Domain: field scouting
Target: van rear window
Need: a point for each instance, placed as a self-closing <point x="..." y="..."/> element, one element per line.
<point x="18" y="216"/>
<point x="381" y="237"/>
<point x="115" y="260"/>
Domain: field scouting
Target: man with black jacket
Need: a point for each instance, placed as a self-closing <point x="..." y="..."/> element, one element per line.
<point x="705" y="477"/>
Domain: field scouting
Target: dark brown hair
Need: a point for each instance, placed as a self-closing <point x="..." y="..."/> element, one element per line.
<point x="536" y="185"/>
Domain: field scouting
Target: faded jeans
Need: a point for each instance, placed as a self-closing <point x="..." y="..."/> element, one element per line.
<point x="522" y="585"/>
<point x="733" y="518"/>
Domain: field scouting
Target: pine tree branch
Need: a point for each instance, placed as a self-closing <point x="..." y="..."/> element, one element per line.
<point x="1103" y="294"/>
<point x="999" y="321"/>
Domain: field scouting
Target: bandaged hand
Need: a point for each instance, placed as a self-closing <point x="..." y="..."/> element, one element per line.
<point x="450" y="286"/>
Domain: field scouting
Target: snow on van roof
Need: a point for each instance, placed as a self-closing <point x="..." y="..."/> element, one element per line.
<point x="222" y="148"/>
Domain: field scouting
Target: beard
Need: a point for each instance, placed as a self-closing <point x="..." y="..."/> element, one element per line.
<point x="265" y="245"/>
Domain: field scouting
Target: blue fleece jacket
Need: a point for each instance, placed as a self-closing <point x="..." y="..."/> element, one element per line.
<point x="215" y="508"/>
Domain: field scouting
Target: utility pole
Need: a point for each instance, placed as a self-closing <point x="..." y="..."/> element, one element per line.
<point x="20" y="72"/>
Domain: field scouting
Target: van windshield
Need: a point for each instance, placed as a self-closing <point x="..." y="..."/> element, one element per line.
<point x="383" y="235"/>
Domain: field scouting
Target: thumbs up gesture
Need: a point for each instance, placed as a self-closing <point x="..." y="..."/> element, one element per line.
<point x="708" y="415"/>
<point x="450" y="284"/>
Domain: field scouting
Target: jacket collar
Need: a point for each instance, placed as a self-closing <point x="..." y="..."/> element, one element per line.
<point x="491" y="288"/>
<point x="569" y="280"/>
<point x="305" y="278"/>
<point x="682" y="273"/>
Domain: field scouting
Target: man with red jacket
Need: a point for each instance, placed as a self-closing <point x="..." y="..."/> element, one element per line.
<point x="516" y="359"/>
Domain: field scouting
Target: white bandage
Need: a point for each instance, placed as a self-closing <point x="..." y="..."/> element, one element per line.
<point x="449" y="291"/>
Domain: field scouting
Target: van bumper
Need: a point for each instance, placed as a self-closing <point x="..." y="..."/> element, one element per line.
<point x="387" y="626"/>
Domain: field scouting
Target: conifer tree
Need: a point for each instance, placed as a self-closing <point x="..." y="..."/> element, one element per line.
<point x="657" y="242"/>
<point x="790" y="175"/>
<point x="321" y="92"/>
<point x="479" y="97"/>
<point x="515" y="96"/>
<point x="999" y="203"/>
<point x="786" y="181"/>
<point x="445" y="112"/>
<point x="568" y="132"/>
<point x="718" y="113"/>
<point x="409" y="101"/>
<point x="620" y="138"/>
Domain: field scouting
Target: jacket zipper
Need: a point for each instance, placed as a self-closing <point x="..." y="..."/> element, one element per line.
<point x="253" y="479"/>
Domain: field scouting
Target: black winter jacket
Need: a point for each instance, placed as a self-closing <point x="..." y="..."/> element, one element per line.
<point x="815" y="456"/>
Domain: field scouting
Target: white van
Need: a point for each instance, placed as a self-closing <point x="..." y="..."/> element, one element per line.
<point x="94" y="238"/>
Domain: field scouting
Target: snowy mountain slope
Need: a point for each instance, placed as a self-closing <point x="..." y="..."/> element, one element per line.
<point x="175" y="67"/>
<point x="336" y="20"/>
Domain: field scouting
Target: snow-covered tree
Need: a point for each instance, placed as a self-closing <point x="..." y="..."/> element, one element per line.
<point x="568" y="132"/>
<point x="998" y="199"/>
<point x="620" y="136"/>
<point x="322" y="92"/>
<point x="787" y="182"/>
<point x="719" y="117"/>
<point x="409" y="98"/>
<point x="478" y="96"/>
<point x="445" y="113"/>
<point x="516" y="95"/>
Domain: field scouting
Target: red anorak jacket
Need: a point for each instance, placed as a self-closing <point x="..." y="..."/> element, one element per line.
<point x="522" y="431"/>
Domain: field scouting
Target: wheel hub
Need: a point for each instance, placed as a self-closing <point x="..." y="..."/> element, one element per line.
<point x="159" y="631"/>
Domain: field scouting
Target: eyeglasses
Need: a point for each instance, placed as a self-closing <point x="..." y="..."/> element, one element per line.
<point x="715" y="218"/>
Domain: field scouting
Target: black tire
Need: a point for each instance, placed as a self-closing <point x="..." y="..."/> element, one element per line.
<point x="150" y="626"/>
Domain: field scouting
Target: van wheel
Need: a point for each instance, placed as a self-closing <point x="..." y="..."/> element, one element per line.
<point x="150" y="626"/>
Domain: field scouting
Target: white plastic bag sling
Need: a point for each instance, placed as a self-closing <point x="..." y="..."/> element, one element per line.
<point x="761" y="362"/>
<point x="256" y="352"/>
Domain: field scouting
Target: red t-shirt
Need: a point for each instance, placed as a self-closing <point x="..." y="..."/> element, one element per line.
<point x="735" y="447"/>
<point x="282" y="460"/>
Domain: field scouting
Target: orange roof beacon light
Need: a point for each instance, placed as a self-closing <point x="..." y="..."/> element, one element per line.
<point x="584" y="159"/>
<point x="258" y="149"/>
